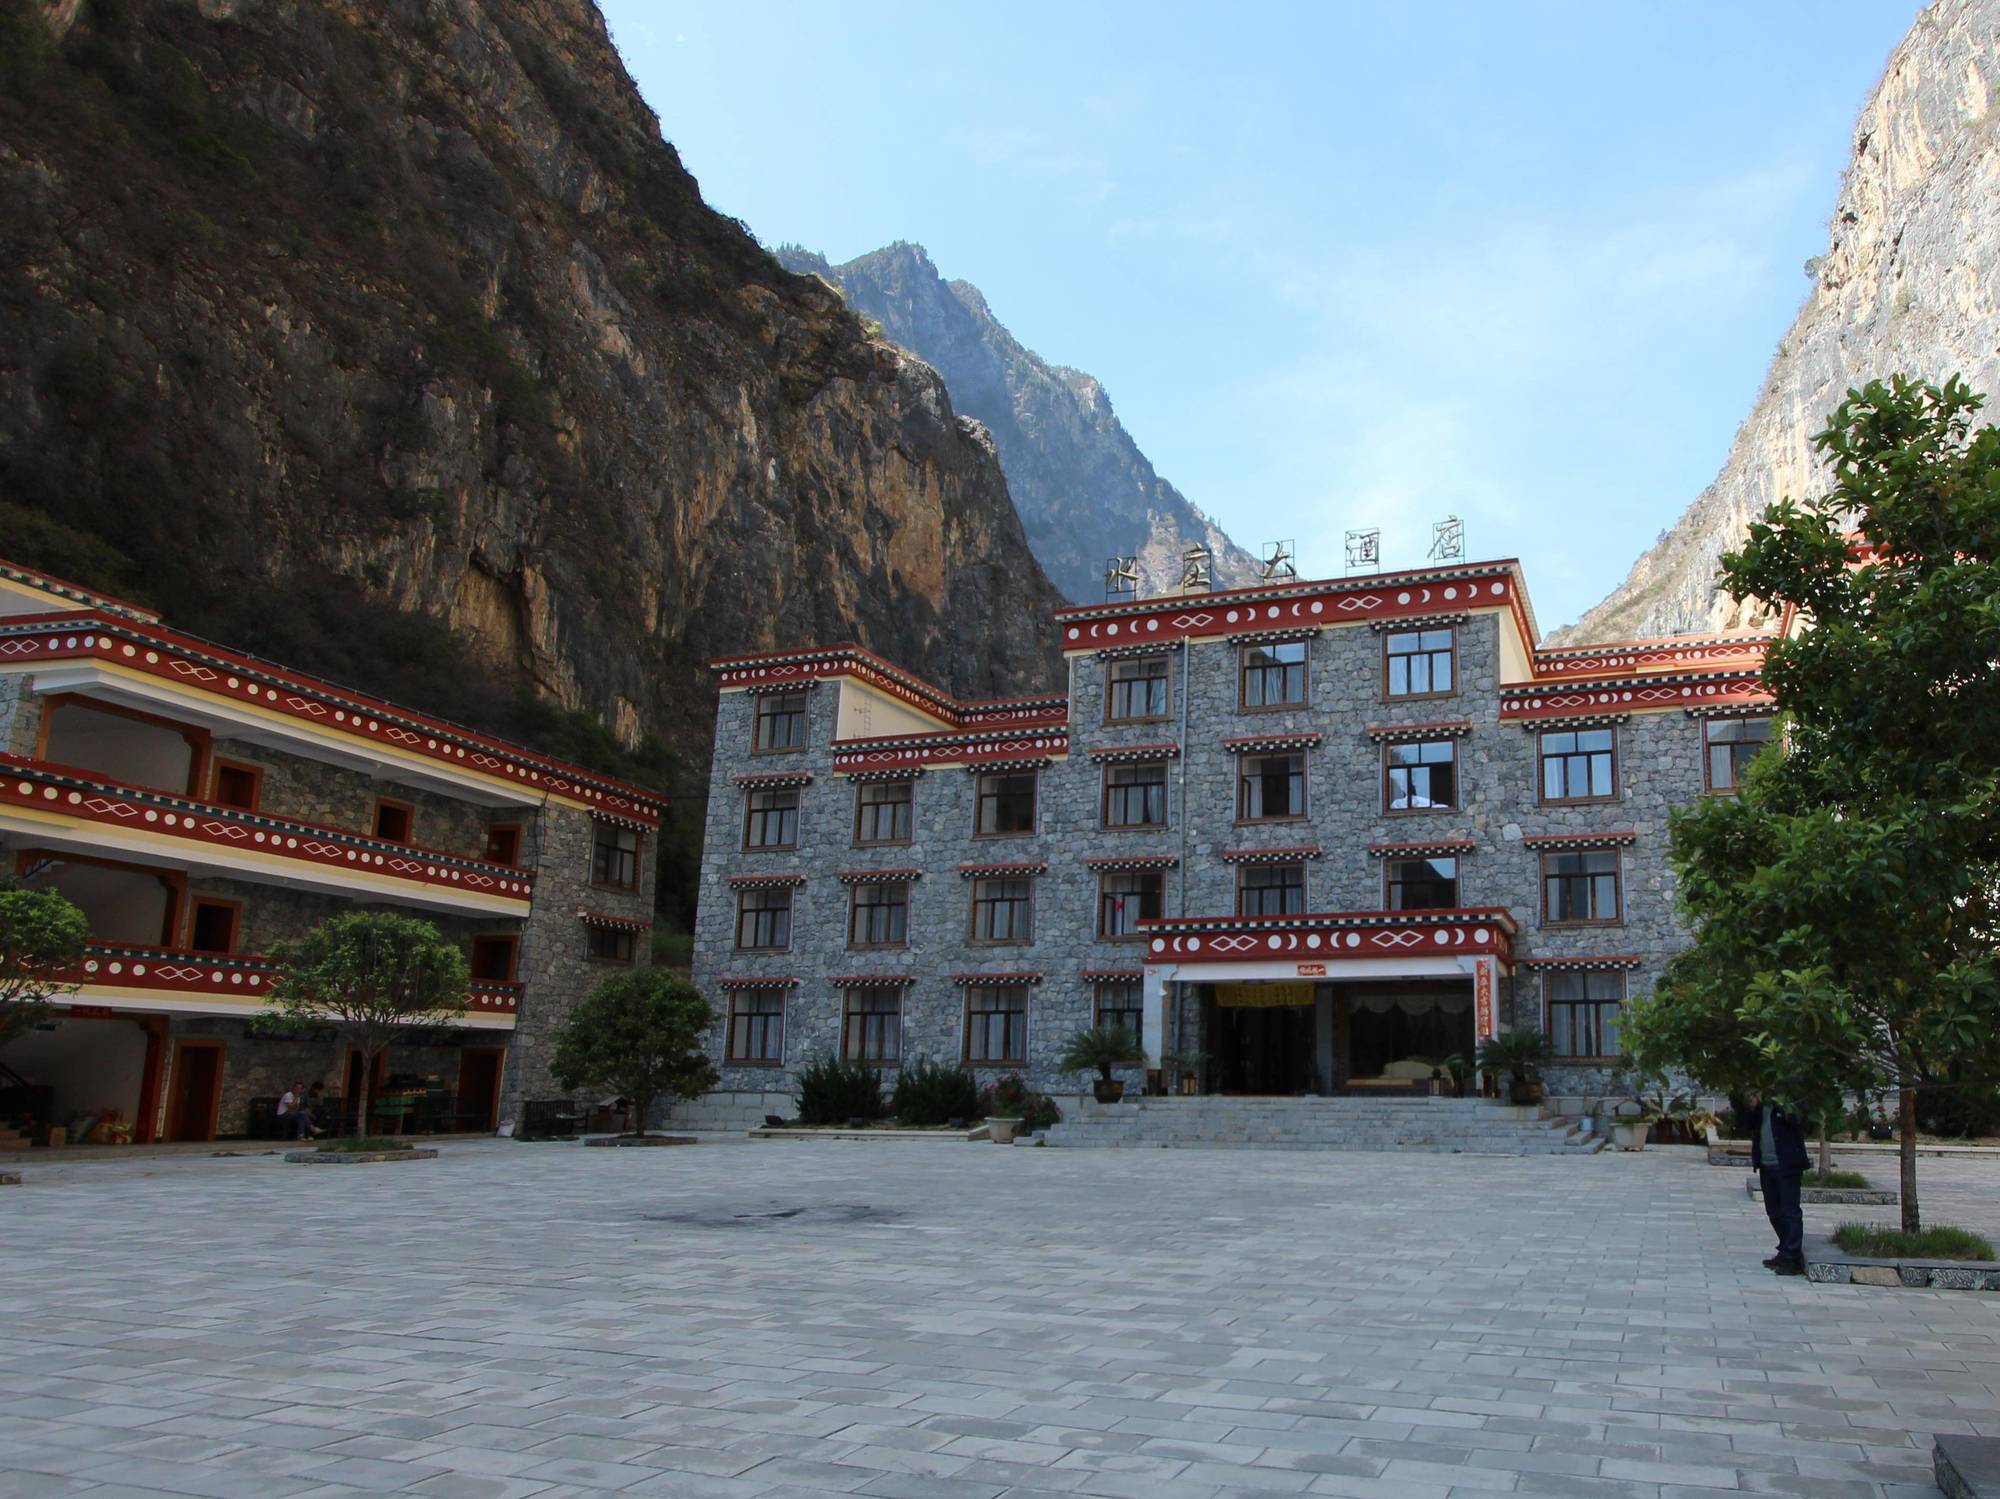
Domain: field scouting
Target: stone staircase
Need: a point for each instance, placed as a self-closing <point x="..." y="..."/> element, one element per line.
<point x="1440" y="1126"/>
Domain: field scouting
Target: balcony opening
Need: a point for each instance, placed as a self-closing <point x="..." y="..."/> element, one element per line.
<point x="74" y="1066"/>
<point x="493" y="957"/>
<point x="134" y="748"/>
<point x="392" y="820"/>
<point x="503" y="843"/>
<point x="212" y="925"/>
<point x="122" y="902"/>
<point x="237" y="785"/>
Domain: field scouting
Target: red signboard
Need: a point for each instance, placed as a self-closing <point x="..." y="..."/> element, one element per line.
<point x="1312" y="970"/>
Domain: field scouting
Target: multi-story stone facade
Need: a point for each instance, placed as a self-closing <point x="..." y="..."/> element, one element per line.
<point x="1308" y="837"/>
<point x="200" y="806"/>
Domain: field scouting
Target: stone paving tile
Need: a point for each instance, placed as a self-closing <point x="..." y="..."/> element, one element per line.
<point x="1011" y="1325"/>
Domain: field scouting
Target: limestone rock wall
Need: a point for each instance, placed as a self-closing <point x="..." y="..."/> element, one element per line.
<point x="1909" y="282"/>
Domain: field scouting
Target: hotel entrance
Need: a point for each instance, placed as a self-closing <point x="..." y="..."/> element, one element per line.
<point x="1390" y="1035"/>
<point x="1282" y="1038"/>
<point x="1264" y="1038"/>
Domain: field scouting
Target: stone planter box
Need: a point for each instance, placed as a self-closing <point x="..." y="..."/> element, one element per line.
<point x="357" y="1157"/>
<point x="1967" y="1467"/>
<point x="1851" y="1196"/>
<point x="1830" y="1265"/>
<point x="939" y="1136"/>
<point x="640" y="1140"/>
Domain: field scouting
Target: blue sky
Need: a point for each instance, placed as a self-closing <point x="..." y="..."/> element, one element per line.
<point x="1337" y="265"/>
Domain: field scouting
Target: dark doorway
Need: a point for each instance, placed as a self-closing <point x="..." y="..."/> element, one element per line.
<point x="479" y="1088"/>
<point x="1262" y="1048"/>
<point x="194" y="1095"/>
<point x="1391" y="1032"/>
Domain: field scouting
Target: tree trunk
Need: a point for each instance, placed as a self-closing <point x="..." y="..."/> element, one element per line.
<point x="367" y="1068"/>
<point x="1906" y="1110"/>
<point x="1825" y="1146"/>
<point x="642" y="1105"/>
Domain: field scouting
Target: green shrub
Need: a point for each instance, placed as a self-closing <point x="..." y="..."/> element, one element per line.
<point x="832" y="1091"/>
<point x="1879" y="1241"/>
<point x="1845" y="1180"/>
<point x="1011" y="1098"/>
<point x="931" y="1093"/>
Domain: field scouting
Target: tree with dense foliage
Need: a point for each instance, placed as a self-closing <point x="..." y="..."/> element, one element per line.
<point x="638" y="1034"/>
<point x="1843" y="905"/>
<point x="41" y="939"/>
<point x="370" y="975"/>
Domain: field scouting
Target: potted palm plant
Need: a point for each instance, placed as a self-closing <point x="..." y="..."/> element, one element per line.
<point x="1520" y="1056"/>
<point x="1101" y="1050"/>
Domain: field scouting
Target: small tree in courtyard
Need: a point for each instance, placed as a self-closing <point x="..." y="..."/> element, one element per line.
<point x="637" y="1034"/>
<point x="1843" y="905"/>
<point x="370" y="975"/>
<point x="41" y="938"/>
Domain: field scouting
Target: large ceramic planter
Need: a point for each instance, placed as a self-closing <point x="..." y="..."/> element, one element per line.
<point x="1630" y="1134"/>
<point x="1107" y="1092"/>
<point x="1002" y="1131"/>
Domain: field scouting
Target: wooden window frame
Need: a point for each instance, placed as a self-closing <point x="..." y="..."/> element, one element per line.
<point x="1390" y="882"/>
<point x="235" y="910"/>
<point x="854" y="909"/>
<point x="751" y="811"/>
<point x="759" y="716"/>
<point x="1243" y="872"/>
<point x="979" y="800"/>
<point x="861" y="805"/>
<point x="1243" y="670"/>
<point x="1104" y="896"/>
<point x="597" y="830"/>
<point x="973" y="991"/>
<point x="512" y="941"/>
<point x="737" y="999"/>
<point x="745" y="909"/>
<point x="1450" y="653"/>
<point x="1243" y="764"/>
<point x="394" y="804"/>
<point x="972" y="936"/>
<point x="1111" y="688"/>
<point x="1105" y="788"/>
<point x="1137" y="1010"/>
<point x="1708" y="786"/>
<point x="1617" y="918"/>
<point x="221" y="763"/>
<point x="593" y="934"/>
<point x="520" y="832"/>
<point x="1542" y="758"/>
<point x="1550" y="1003"/>
<point x="848" y="1014"/>
<point x="1390" y="809"/>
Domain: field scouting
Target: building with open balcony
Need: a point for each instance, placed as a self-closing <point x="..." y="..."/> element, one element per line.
<point x="1303" y="838"/>
<point x="200" y="804"/>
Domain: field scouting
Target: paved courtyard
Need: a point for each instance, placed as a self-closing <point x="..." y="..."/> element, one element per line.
<point x="959" y="1322"/>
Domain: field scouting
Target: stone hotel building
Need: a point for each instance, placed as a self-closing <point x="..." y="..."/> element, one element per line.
<point x="1295" y="836"/>
<point x="199" y="804"/>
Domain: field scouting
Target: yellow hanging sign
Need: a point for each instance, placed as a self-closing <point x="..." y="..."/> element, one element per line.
<point x="1277" y="994"/>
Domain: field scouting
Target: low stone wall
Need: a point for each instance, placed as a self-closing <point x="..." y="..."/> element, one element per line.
<point x="730" y="1112"/>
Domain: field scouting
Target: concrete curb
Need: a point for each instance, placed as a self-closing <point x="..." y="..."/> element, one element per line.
<point x="357" y="1157"/>
<point x="628" y="1141"/>
<point x="1830" y="1266"/>
<point x="1851" y="1196"/>
<point x="931" y="1136"/>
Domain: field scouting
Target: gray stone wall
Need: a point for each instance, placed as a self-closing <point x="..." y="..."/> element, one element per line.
<point x="339" y="797"/>
<point x="20" y="714"/>
<point x="1659" y="765"/>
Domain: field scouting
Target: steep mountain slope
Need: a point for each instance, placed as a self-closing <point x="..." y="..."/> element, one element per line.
<point x="320" y="322"/>
<point x="1910" y="282"/>
<point x="1084" y="490"/>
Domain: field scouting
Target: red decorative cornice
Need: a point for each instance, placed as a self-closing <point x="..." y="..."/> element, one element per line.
<point x="1632" y="695"/>
<point x="982" y="750"/>
<point x="1762" y="707"/>
<point x="1406" y="733"/>
<point x="894" y="773"/>
<point x="1271" y="855"/>
<point x="190" y="663"/>
<point x="1671" y="654"/>
<point x="871" y="980"/>
<point x="1114" y="754"/>
<point x="1422" y="850"/>
<point x="764" y="881"/>
<point x="878" y="876"/>
<point x="238" y="978"/>
<point x="769" y="670"/>
<point x="1584" y="962"/>
<point x="773" y="780"/>
<point x="1255" y="744"/>
<point x="1325" y="936"/>
<point x="996" y="871"/>
<point x="1113" y="975"/>
<point x="62" y="791"/>
<point x="1610" y="838"/>
<point x="1580" y="721"/>
<point x="775" y="981"/>
<point x="615" y="923"/>
<point x="56" y="588"/>
<point x="964" y="979"/>
<point x="1120" y="863"/>
<point x="1419" y="622"/>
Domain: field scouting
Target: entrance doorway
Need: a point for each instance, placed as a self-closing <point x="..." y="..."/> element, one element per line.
<point x="1262" y="1037"/>
<point x="479" y="1088"/>
<point x="1390" y="1034"/>
<point x="194" y="1092"/>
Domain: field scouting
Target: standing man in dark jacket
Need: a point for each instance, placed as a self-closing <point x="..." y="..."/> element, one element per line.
<point x="1778" y="1154"/>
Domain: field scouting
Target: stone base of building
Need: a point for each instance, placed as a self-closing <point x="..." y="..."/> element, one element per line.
<point x="730" y="1112"/>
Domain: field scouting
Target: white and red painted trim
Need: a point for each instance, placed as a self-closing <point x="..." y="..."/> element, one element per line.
<point x="1258" y="744"/>
<point x="1436" y="847"/>
<point x="1131" y="863"/>
<point x="1112" y="975"/>
<point x="1002" y="871"/>
<point x="1331" y="936"/>
<point x="775" y="981"/>
<point x="774" y="780"/>
<point x="1583" y="963"/>
<point x="1287" y="855"/>
<point x="1410" y="733"/>
<point x="1609" y="838"/>
<point x="764" y="881"/>
<point x="611" y="923"/>
<point x="1419" y="622"/>
<point x="878" y="876"/>
<point x="871" y="980"/>
<point x="965" y="979"/>
<point x="1632" y="695"/>
<point x="1123" y="754"/>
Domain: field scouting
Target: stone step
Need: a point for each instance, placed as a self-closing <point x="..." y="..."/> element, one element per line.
<point x="1434" y="1125"/>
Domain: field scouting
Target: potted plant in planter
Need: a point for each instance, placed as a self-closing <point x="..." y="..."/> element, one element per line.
<point x="1519" y="1056"/>
<point x="1102" y="1050"/>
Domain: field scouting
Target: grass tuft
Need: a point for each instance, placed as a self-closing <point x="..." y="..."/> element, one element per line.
<point x="1942" y="1242"/>
<point x="1853" y="1180"/>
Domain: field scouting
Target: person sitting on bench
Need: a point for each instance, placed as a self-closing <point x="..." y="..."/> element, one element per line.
<point x="294" y="1118"/>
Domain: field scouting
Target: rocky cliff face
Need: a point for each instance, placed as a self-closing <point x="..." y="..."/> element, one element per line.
<point x="1084" y="490"/>
<point x="322" y="320"/>
<point x="1910" y="282"/>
